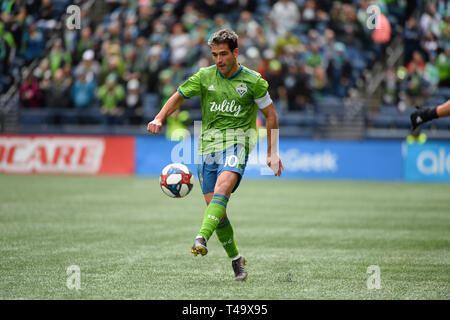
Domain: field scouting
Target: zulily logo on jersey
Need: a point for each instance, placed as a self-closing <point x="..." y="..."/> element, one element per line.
<point x="226" y="106"/>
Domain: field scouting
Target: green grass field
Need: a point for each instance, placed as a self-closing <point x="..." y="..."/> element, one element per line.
<point x="303" y="240"/>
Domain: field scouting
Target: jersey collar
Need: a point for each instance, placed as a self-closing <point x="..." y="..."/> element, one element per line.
<point x="234" y="75"/>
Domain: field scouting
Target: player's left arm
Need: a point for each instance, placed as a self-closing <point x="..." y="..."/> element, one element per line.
<point x="273" y="159"/>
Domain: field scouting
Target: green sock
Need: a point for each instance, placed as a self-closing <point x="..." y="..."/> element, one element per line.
<point x="225" y="234"/>
<point x="213" y="215"/>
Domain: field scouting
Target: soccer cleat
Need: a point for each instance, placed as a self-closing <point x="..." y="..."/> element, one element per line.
<point x="240" y="274"/>
<point x="199" y="247"/>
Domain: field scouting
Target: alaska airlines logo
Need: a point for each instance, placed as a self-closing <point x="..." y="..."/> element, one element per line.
<point x="226" y="106"/>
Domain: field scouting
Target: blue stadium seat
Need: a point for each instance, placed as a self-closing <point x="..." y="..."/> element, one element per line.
<point x="402" y="120"/>
<point x="389" y="109"/>
<point x="68" y="116"/>
<point x="444" y="92"/>
<point x="34" y="117"/>
<point x="303" y="119"/>
<point x="330" y="104"/>
<point x="442" y="123"/>
<point x="383" y="121"/>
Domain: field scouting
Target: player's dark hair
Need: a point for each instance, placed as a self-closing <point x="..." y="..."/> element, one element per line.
<point x="224" y="36"/>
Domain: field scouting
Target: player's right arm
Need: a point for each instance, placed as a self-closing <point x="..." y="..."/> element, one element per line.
<point x="169" y="107"/>
<point x="188" y="89"/>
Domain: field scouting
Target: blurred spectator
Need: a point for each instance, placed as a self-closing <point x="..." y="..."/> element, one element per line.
<point x="30" y="95"/>
<point x="319" y="83"/>
<point x="166" y="86"/>
<point x="33" y="41"/>
<point x="111" y="95"/>
<point x="167" y="17"/>
<point x="309" y="13"/>
<point x="390" y="87"/>
<point x="46" y="10"/>
<point x="83" y="91"/>
<point x="44" y="75"/>
<point x="430" y="19"/>
<point x="443" y="64"/>
<point x="132" y="67"/>
<point x="314" y="57"/>
<point x="416" y="62"/>
<point x="411" y="37"/>
<point x="346" y="26"/>
<point x="431" y="73"/>
<point x="58" y="56"/>
<point x="88" y="65"/>
<point x="133" y="103"/>
<point x="339" y="71"/>
<point x="297" y="84"/>
<point x="85" y="43"/>
<point x="146" y="15"/>
<point x="154" y="68"/>
<point x="179" y="42"/>
<point x="176" y="125"/>
<point x="413" y="87"/>
<point x="112" y="63"/>
<point x="58" y="93"/>
<point x="246" y="24"/>
<point x="13" y="16"/>
<point x="275" y="76"/>
<point x="430" y="45"/>
<point x="7" y="54"/>
<point x="286" y="41"/>
<point x="285" y="15"/>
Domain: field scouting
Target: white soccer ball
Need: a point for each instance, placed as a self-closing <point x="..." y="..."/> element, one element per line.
<point x="176" y="180"/>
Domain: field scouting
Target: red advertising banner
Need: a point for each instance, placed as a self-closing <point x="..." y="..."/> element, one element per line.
<point x="61" y="154"/>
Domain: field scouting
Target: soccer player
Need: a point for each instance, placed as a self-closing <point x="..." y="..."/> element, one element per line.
<point x="423" y="114"/>
<point x="230" y="96"/>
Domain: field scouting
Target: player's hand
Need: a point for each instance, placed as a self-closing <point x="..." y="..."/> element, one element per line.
<point x="274" y="162"/>
<point x="422" y="115"/>
<point x="154" y="126"/>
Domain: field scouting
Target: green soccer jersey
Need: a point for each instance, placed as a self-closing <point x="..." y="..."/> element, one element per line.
<point x="229" y="106"/>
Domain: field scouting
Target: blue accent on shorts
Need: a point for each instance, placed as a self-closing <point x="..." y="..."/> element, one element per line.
<point x="213" y="164"/>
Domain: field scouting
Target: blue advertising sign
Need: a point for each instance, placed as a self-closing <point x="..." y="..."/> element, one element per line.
<point x="333" y="160"/>
<point x="428" y="162"/>
<point x="368" y="160"/>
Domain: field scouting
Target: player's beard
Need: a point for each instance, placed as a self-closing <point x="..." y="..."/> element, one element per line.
<point x="226" y="68"/>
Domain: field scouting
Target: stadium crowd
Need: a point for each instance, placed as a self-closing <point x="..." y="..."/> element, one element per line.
<point x="123" y="68"/>
<point x="426" y="58"/>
